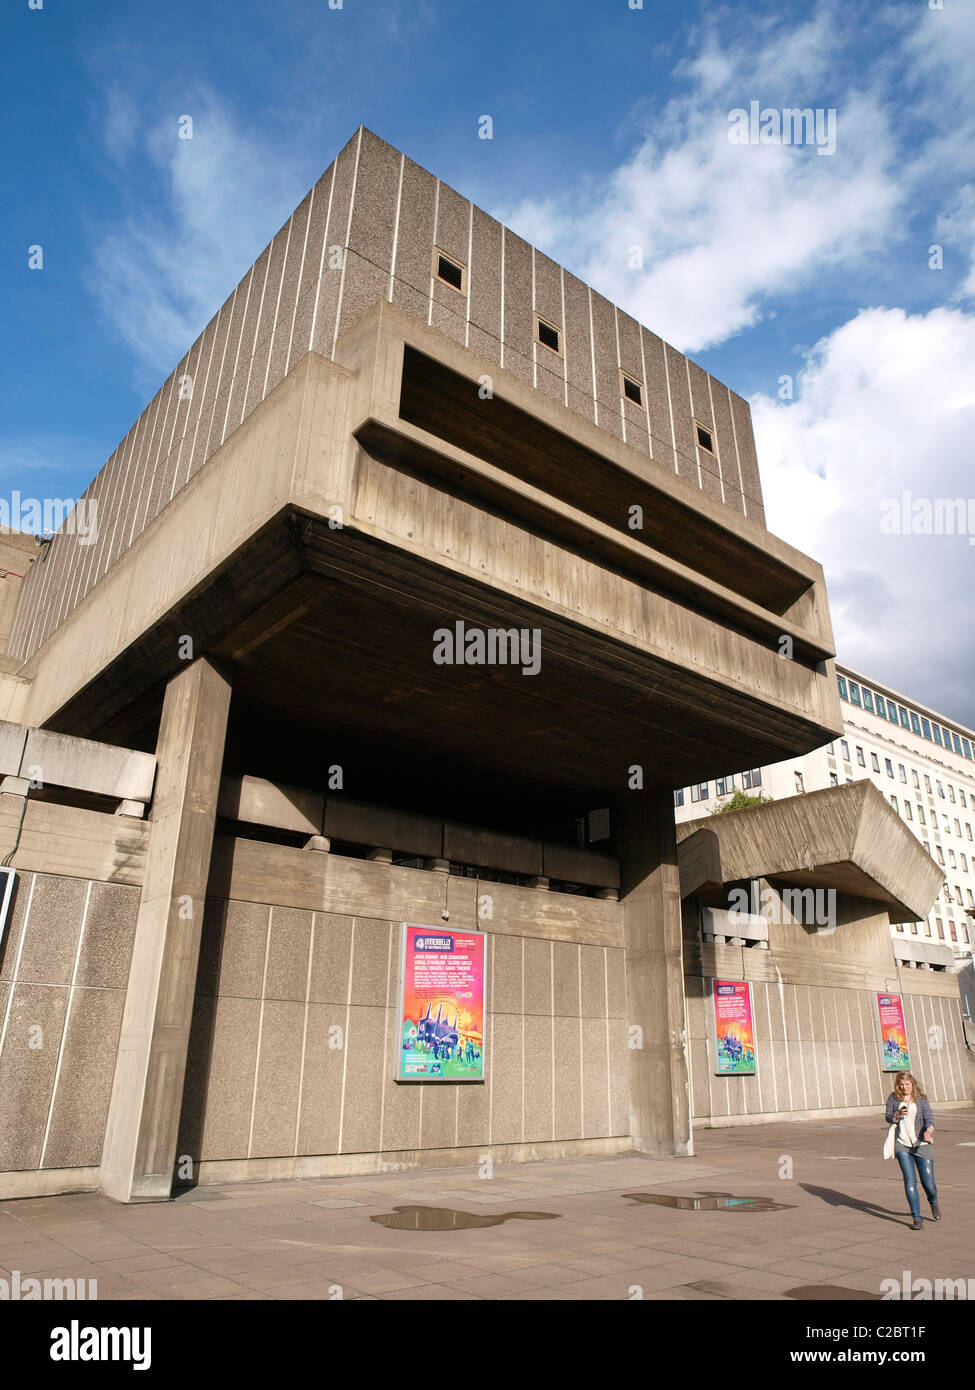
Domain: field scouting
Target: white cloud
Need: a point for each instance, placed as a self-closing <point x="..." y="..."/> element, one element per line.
<point x="723" y="227"/>
<point x="886" y="405"/>
<point x="205" y="209"/>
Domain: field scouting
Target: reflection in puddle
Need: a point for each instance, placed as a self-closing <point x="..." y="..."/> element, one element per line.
<point x="447" y="1219"/>
<point x="830" y="1292"/>
<point x="709" y="1201"/>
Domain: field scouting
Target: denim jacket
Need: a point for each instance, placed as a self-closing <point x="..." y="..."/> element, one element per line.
<point x="922" y="1121"/>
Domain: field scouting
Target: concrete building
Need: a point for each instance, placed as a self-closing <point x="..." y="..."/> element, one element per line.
<point x="424" y="558"/>
<point x="924" y="765"/>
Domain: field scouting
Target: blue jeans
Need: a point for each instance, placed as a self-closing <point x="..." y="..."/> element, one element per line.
<point x="925" y="1169"/>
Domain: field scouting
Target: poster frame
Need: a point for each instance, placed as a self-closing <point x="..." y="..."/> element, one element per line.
<point x="713" y="1041"/>
<point x="397" y="1041"/>
<point x="879" y="994"/>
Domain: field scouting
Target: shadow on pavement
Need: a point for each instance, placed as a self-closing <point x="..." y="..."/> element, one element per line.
<point x="841" y="1199"/>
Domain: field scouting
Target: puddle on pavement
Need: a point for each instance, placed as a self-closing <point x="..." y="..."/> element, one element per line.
<point x="709" y="1201"/>
<point x="448" y="1219"/>
<point x="830" y="1292"/>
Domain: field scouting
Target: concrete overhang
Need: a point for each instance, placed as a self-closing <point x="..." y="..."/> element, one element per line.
<point x="327" y="539"/>
<point x="846" y="838"/>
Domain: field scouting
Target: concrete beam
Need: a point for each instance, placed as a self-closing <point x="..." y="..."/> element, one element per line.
<point x="699" y="860"/>
<point x="259" y="802"/>
<point x="83" y="764"/>
<point x="143" y="1120"/>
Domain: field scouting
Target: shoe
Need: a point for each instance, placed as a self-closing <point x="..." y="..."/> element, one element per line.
<point x="918" y="1223"/>
<point x="935" y="1212"/>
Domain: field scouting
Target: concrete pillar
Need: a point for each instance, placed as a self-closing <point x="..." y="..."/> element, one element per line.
<point x="143" y="1119"/>
<point x="660" y="1110"/>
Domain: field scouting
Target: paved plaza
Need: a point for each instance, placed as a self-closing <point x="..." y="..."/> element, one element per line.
<point x="841" y="1227"/>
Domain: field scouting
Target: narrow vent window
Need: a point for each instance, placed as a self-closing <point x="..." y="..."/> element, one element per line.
<point x="632" y="390"/>
<point x="547" y="335"/>
<point x="704" y="438"/>
<point x="451" y="272"/>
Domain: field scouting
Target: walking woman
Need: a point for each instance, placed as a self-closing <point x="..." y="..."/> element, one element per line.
<point x="911" y="1138"/>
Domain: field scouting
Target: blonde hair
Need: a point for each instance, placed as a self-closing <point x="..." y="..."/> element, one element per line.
<point x="919" y="1090"/>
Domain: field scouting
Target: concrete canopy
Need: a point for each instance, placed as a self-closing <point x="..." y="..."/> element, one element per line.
<point x="846" y="838"/>
<point x="658" y="651"/>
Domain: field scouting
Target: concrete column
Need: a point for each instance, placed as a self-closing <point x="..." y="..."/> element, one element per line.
<point x="143" y="1119"/>
<point x="660" y="1108"/>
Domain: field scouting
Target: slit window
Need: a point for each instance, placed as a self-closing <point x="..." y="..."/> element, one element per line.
<point x="451" y="272"/>
<point x="705" y="438"/>
<point x="632" y="390"/>
<point x="548" y="335"/>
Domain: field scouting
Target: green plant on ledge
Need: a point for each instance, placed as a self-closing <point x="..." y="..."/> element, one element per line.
<point x="739" y="800"/>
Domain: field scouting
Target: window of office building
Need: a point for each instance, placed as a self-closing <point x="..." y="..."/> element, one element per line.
<point x="956" y="741"/>
<point x="968" y="830"/>
<point x="915" y="723"/>
<point x="961" y="798"/>
<point x="724" y="785"/>
<point x="874" y="762"/>
<point x="854" y="693"/>
<point x="964" y="933"/>
<point x="893" y="802"/>
<point x="926" y="729"/>
<point x="842" y="687"/>
<point x="920" y="814"/>
<point x="951" y="794"/>
<point x="952" y="863"/>
<point x="907" y="810"/>
<point x="845" y="750"/>
<point x="966" y="748"/>
<point x="860" y="758"/>
<point x="951" y="928"/>
<point x="834" y="781"/>
<point x="941" y="790"/>
<point x="799" y="786"/>
<point x="940" y="853"/>
<point x="964" y="862"/>
<point x="958" y="828"/>
<point x="945" y="824"/>
<point x="699" y="792"/>
<point x="881" y="707"/>
<point x="679" y="797"/>
<point x="889" y="766"/>
<point x="902" y="772"/>
<point x="752" y="779"/>
<point x="915" y="778"/>
<point x="971" y="900"/>
<point x="914" y="928"/>
<point x="905" y="720"/>
<point x="868" y="701"/>
<point x="941" y="928"/>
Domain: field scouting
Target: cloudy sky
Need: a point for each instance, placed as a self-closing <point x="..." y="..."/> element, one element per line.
<point x="835" y="290"/>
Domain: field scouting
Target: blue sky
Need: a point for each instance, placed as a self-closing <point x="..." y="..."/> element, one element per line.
<point x="610" y="129"/>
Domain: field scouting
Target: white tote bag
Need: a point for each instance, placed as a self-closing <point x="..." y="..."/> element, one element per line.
<point x="889" y="1141"/>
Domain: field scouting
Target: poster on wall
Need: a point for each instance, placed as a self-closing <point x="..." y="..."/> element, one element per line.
<point x="734" y="1034"/>
<point x="441" y="1004"/>
<point x="893" y="1033"/>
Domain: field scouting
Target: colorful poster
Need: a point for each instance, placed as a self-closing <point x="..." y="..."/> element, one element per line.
<point x="893" y="1033"/>
<point x="733" y="1029"/>
<point x="441" y="1004"/>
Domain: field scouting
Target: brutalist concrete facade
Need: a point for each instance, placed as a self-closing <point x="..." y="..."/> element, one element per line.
<point x="356" y="456"/>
